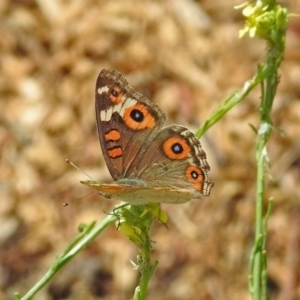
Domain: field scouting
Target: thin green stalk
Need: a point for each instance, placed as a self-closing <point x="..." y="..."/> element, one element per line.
<point x="135" y="223"/>
<point x="267" y="20"/>
<point x="233" y="99"/>
<point x="141" y="290"/>
<point x="258" y="219"/>
<point x="90" y="232"/>
<point x="268" y="90"/>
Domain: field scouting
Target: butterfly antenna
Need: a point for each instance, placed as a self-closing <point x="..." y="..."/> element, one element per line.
<point x="68" y="203"/>
<point x="77" y="168"/>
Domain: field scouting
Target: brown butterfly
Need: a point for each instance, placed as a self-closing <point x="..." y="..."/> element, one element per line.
<point x="149" y="162"/>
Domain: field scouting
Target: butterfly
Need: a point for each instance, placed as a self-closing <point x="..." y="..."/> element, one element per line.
<point x="149" y="162"/>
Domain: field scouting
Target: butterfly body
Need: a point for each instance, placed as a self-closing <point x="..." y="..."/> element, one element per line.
<point x="139" y="194"/>
<point x="149" y="162"/>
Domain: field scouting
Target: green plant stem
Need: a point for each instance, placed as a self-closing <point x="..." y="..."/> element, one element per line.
<point x="135" y="223"/>
<point x="268" y="21"/>
<point x="80" y="242"/>
<point x="268" y="90"/>
<point x="141" y="290"/>
<point x="233" y="99"/>
<point x="258" y="220"/>
<point x="146" y="279"/>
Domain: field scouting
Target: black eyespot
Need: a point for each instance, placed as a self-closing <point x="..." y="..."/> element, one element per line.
<point x="194" y="174"/>
<point x="114" y="93"/>
<point x="137" y="115"/>
<point x="177" y="148"/>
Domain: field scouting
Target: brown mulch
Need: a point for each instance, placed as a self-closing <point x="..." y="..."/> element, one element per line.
<point x="185" y="56"/>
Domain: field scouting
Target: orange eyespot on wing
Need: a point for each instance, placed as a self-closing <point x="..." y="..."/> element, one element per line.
<point x="113" y="135"/>
<point x="115" y="95"/>
<point x="195" y="175"/>
<point x="138" y="117"/>
<point x="176" y="148"/>
<point x="115" y="152"/>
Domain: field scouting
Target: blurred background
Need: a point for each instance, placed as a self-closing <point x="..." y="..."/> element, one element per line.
<point x="185" y="56"/>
